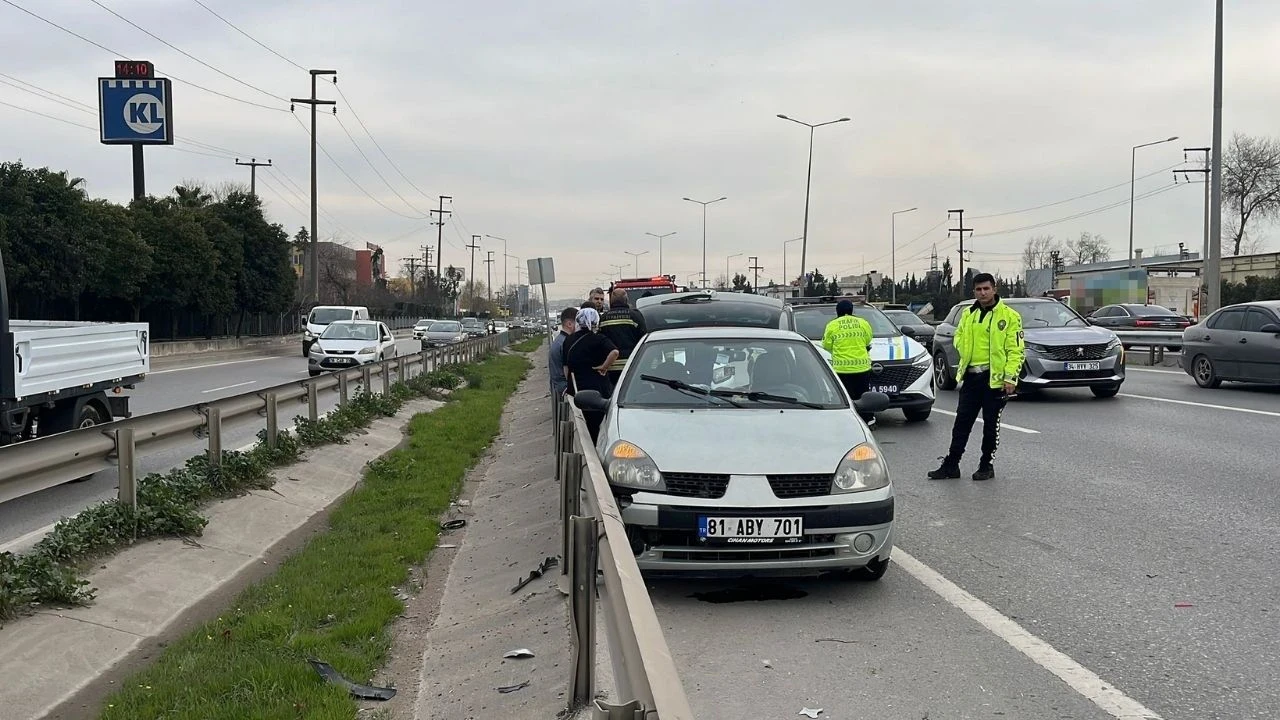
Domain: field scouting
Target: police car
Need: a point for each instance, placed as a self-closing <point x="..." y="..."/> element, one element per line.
<point x="900" y="367"/>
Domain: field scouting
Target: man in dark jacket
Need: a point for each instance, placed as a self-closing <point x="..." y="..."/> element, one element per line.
<point x="624" y="326"/>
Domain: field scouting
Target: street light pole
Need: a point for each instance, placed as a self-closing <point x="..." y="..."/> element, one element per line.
<point x="893" y="253"/>
<point x="808" y="183"/>
<point x="785" y="277"/>
<point x="726" y="265"/>
<point x="636" y="255"/>
<point x="618" y="268"/>
<point x="660" y="238"/>
<point x="1133" y="165"/>
<point x="704" y="234"/>
<point x="504" y="265"/>
<point x="1213" y="263"/>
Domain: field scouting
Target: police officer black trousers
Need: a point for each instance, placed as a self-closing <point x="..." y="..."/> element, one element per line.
<point x="976" y="396"/>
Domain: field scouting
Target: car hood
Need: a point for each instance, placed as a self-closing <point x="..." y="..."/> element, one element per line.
<point x="884" y="348"/>
<point x="1073" y="335"/>
<point x="741" y="441"/>
<point x="348" y="345"/>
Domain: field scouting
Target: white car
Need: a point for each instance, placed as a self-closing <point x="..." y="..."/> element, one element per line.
<point x="420" y="328"/>
<point x="350" y="343"/>
<point x="500" y="327"/>
<point x="900" y="367"/>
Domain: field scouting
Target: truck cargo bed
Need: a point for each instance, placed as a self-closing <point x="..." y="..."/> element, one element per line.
<point x="55" y="357"/>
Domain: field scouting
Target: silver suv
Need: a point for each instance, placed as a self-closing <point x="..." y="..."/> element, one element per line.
<point x="1063" y="349"/>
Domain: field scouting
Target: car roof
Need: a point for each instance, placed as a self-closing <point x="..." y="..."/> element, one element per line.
<point x="356" y="322"/>
<point x="725" y="331"/>
<point x="695" y="296"/>
<point x="1272" y="304"/>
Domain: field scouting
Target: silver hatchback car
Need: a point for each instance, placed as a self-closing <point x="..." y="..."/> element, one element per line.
<point x="737" y="450"/>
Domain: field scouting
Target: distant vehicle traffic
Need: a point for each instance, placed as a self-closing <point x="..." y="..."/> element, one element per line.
<point x="1063" y="349"/>
<point x="443" y="332"/>
<point x="474" y="327"/>
<point x="320" y="317"/>
<point x="1128" y="316"/>
<point x="912" y="325"/>
<point x="420" y="328"/>
<point x="1237" y="343"/>
<point x="350" y="343"/>
<point x="768" y="471"/>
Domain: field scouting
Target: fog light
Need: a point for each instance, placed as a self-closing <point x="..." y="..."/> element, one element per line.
<point x="863" y="542"/>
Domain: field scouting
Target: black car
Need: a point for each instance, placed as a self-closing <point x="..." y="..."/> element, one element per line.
<point x="912" y="326"/>
<point x="1130" y="316"/>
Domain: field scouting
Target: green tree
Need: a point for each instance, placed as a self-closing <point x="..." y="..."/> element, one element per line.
<point x="183" y="257"/>
<point x="119" y="261"/>
<point x="265" y="282"/>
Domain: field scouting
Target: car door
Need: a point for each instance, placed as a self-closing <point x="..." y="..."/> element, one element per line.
<point x="1222" y="337"/>
<point x="1103" y="316"/>
<point x="388" y="343"/>
<point x="945" y="334"/>
<point x="1258" y="351"/>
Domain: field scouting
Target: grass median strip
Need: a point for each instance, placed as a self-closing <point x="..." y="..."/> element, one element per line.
<point x="335" y="599"/>
<point x="528" y="344"/>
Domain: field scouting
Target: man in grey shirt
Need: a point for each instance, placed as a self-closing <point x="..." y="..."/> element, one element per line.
<point x="555" y="356"/>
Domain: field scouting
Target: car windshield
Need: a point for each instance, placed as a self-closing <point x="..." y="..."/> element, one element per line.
<point x="903" y="317"/>
<point x="812" y="321"/>
<point x="1046" y="314"/>
<point x="726" y="371"/>
<point x="471" y="321"/>
<point x="441" y="327"/>
<point x="711" y="313"/>
<point x="324" y="316"/>
<point x="422" y="324"/>
<point x="351" y="331"/>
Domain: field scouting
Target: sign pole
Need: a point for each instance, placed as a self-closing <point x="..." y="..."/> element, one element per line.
<point x="139" y="173"/>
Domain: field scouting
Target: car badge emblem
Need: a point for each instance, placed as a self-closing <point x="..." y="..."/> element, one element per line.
<point x="1080" y="351"/>
<point x="877" y="368"/>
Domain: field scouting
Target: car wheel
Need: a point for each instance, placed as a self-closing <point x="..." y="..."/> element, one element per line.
<point x="942" y="376"/>
<point x="313" y="373"/>
<point x="1205" y="374"/>
<point x="873" y="571"/>
<point x="917" y="414"/>
<point x="1105" y="391"/>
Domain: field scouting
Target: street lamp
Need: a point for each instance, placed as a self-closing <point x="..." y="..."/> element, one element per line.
<point x="704" y="233"/>
<point x="1133" y="162"/>
<point x="726" y="266"/>
<point x="636" y="255"/>
<point x="893" y="252"/>
<point x="804" y="244"/>
<point x="618" y="269"/>
<point x="785" y="277"/>
<point x="504" y="253"/>
<point x="519" y="282"/>
<point x="660" y="238"/>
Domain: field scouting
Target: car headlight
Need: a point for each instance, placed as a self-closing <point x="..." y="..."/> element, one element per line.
<point x="1037" y="347"/>
<point x="861" y="469"/>
<point x="630" y="466"/>
<point x="924" y="359"/>
<point x="369" y="350"/>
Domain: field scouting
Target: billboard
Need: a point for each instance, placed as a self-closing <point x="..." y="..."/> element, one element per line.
<point x="1090" y="291"/>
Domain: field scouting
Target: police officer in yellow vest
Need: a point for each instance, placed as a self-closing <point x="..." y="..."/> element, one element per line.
<point x="989" y="340"/>
<point x="848" y="339"/>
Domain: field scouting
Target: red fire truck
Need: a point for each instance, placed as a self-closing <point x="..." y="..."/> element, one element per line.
<point x="641" y="287"/>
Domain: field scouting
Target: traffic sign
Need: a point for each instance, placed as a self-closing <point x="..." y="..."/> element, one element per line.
<point x="135" y="111"/>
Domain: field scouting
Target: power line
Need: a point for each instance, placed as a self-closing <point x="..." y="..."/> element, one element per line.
<point x="171" y="76"/>
<point x="171" y="46"/>
<point x="64" y="102"/>
<point x="374" y="167"/>
<point x="1086" y="213"/>
<point x="282" y="198"/>
<point x="1071" y="199"/>
<point x="51" y="117"/>
<point x="242" y="32"/>
<point x="376" y="144"/>
<point x="298" y="193"/>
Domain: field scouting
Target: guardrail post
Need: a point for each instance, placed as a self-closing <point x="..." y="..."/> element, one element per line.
<point x="570" y="501"/>
<point x="273" y="421"/>
<point x="313" y="402"/>
<point x="213" y="420"/>
<point x="366" y="378"/>
<point x="582" y="609"/>
<point x="128" y="476"/>
<point x="386" y="380"/>
<point x="400" y="369"/>
<point x="342" y="389"/>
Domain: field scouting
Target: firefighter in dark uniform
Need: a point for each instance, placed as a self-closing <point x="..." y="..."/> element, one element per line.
<point x="624" y="326"/>
<point x="991" y="347"/>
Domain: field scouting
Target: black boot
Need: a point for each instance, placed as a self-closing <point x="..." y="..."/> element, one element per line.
<point x="949" y="470"/>
<point x="985" y="472"/>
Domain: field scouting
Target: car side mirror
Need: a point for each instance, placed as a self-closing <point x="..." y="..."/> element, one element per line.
<point x="1270" y="328"/>
<point x="872" y="402"/>
<point x="591" y="400"/>
<point x="908" y="331"/>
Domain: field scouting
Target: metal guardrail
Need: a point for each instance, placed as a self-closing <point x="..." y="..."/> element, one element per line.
<point x="647" y="682"/>
<point x="1155" y="341"/>
<point x="34" y="465"/>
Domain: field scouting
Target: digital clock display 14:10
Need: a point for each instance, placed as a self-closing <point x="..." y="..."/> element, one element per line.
<point x="135" y="69"/>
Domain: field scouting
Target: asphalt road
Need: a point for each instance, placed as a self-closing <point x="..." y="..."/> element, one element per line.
<point x="201" y="379"/>
<point x="1135" y="536"/>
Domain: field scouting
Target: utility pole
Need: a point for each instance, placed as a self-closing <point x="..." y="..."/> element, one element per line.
<point x="1204" y="252"/>
<point x="413" y="272"/>
<point x="314" y="102"/>
<point x="439" y="223"/>
<point x="756" y="267"/>
<point x="253" y="166"/>
<point x="1213" y="262"/>
<point x="471" y="277"/>
<point x="961" y="230"/>
<point x="489" y="274"/>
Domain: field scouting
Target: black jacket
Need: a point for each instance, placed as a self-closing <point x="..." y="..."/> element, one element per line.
<point x="623" y="325"/>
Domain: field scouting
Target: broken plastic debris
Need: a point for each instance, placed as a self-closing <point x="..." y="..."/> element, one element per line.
<point x="512" y="688"/>
<point x="547" y="562"/>
<point x="453" y="524"/>
<point x="521" y="653"/>
<point x="364" y="692"/>
<point x="811" y="713"/>
<point x="1183" y="605"/>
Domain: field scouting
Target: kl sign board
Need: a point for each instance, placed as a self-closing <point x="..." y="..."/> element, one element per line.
<point x="135" y="111"/>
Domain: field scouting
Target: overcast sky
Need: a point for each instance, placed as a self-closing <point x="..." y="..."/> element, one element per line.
<point x="574" y="128"/>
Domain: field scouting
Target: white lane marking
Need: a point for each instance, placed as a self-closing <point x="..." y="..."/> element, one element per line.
<point x="1006" y="426"/>
<point x="1098" y="691"/>
<point x="227" y="387"/>
<point x="1162" y="372"/>
<point x="24" y="542"/>
<point x="1211" y="406"/>
<point x="211" y="365"/>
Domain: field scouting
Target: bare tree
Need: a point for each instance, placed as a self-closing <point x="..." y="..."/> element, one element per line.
<point x="1250" y="184"/>
<point x="1089" y="248"/>
<point x="337" y="272"/>
<point x="1038" y="252"/>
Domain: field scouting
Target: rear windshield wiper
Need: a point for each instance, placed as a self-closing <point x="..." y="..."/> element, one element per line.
<point x="685" y="387"/>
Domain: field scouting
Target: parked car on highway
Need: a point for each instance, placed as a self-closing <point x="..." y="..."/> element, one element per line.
<point x="350" y="343"/>
<point x="420" y="328"/>
<point x="1237" y="343"/>
<point x="769" y="470"/>
<point x="913" y="326"/>
<point x="1128" y="316"/>
<point x="901" y="366"/>
<point x="443" y="332"/>
<point x="1063" y="349"/>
